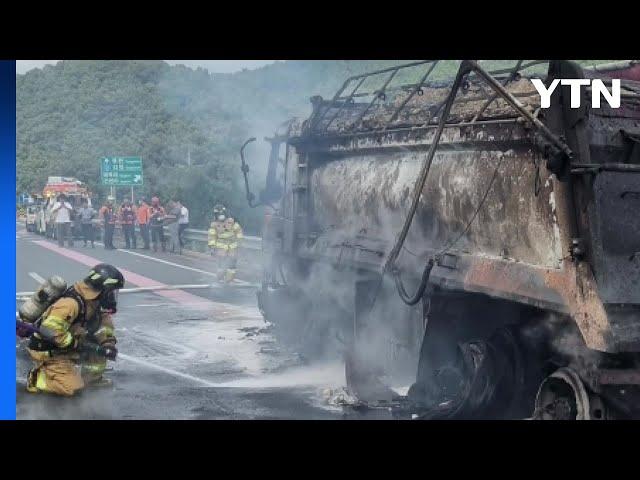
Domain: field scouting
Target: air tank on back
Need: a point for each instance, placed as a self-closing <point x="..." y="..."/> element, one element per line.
<point x="49" y="292"/>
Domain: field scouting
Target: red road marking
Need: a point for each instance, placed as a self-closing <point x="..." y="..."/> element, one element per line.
<point x="179" y="296"/>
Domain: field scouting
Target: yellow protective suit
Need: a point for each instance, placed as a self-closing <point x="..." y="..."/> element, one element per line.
<point x="62" y="370"/>
<point x="224" y="239"/>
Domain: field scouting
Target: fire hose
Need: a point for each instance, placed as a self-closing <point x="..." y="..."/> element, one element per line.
<point x="26" y="329"/>
<point x="153" y="288"/>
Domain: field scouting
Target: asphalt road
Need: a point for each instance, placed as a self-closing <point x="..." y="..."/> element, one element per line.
<point x="184" y="354"/>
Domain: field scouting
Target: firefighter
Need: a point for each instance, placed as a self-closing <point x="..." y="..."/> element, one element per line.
<point x="77" y="335"/>
<point x="224" y="238"/>
<point x="128" y="221"/>
<point x="219" y="216"/>
<point x="215" y="248"/>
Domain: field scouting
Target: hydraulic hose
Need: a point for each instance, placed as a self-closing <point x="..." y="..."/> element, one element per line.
<point x="417" y="191"/>
<point x="424" y="173"/>
<point x="416" y="297"/>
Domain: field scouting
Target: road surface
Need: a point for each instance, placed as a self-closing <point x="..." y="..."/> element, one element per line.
<point x="184" y="354"/>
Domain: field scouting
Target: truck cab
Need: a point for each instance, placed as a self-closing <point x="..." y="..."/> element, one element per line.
<point x="75" y="192"/>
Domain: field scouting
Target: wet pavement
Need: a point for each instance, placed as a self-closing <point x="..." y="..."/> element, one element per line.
<point x="186" y="354"/>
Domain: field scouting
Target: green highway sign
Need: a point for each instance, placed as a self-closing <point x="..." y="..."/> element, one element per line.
<point x="121" y="171"/>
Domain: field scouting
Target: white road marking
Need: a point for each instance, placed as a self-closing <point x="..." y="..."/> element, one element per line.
<point x="153" y="288"/>
<point x="184" y="267"/>
<point x="175" y="373"/>
<point x="164" y="261"/>
<point x="172" y="304"/>
<point x="37" y="277"/>
<point x="167" y="262"/>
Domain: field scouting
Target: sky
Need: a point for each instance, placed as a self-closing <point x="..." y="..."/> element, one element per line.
<point x="214" y="66"/>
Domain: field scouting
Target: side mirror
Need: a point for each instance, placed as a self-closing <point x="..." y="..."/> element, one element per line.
<point x="245" y="172"/>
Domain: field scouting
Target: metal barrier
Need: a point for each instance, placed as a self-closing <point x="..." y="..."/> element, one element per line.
<point x="198" y="238"/>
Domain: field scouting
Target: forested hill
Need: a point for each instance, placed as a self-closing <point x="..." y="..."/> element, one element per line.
<point x="186" y="124"/>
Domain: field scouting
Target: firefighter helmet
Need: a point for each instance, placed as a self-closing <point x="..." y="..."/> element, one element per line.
<point x="105" y="277"/>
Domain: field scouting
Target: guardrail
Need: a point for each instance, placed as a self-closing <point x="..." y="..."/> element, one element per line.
<point x="200" y="238"/>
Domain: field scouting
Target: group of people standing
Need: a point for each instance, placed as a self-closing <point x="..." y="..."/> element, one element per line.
<point x="150" y="218"/>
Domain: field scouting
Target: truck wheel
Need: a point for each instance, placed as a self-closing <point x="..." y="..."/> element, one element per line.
<point x="564" y="396"/>
<point x="475" y="370"/>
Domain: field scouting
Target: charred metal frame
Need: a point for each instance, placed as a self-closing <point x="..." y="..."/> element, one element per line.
<point x="339" y="101"/>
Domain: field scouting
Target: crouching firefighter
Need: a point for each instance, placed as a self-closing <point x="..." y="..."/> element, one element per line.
<point x="74" y="337"/>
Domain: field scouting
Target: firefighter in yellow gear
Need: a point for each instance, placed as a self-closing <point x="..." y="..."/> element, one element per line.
<point x="219" y="216"/>
<point x="225" y="235"/>
<point x="76" y="336"/>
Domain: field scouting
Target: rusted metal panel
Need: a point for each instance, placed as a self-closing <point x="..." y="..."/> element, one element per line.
<point x="615" y="216"/>
<point x="368" y="192"/>
<point x="515" y="245"/>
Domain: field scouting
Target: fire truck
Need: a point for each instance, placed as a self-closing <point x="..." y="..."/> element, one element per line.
<point x="75" y="191"/>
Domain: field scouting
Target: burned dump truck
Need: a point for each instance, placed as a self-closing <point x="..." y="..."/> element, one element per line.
<point x="471" y="254"/>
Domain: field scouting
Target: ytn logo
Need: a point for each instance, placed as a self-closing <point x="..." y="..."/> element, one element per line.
<point x="597" y="89"/>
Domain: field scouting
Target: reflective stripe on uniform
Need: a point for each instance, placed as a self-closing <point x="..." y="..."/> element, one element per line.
<point x="56" y="323"/>
<point x="106" y="330"/>
<point x="66" y="340"/>
<point x="94" y="367"/>
<point x="223" y="238"/>
<point x="226" y="246"/>
<point x="59" y="326"/>
<point x="41" y="381"/>
<point x="212" y="237"/>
